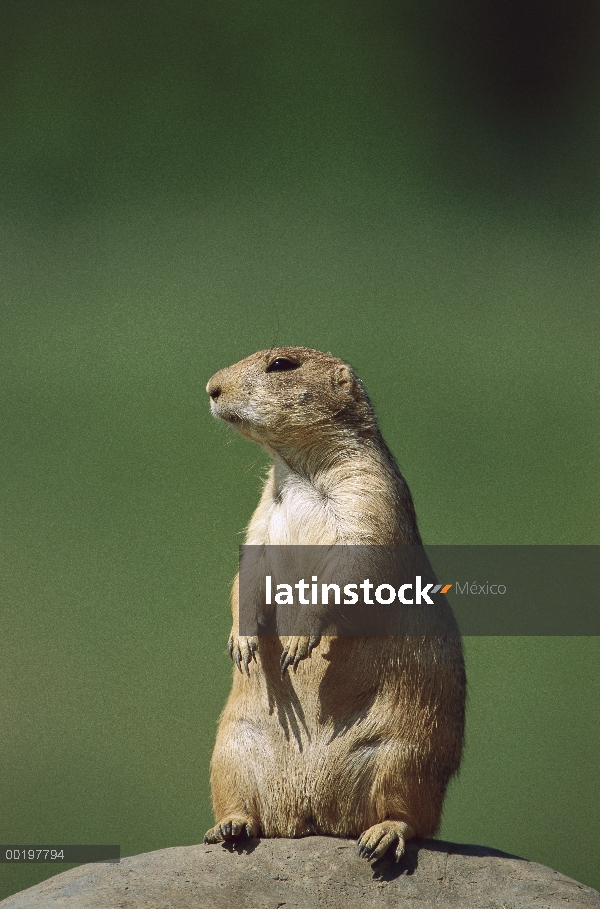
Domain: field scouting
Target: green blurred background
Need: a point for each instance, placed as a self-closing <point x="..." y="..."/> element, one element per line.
<point x="414" y="187"/>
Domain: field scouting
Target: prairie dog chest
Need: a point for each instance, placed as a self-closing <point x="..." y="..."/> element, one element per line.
<point x="292" y="511"/>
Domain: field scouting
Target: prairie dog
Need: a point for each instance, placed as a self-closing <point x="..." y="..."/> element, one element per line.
<point x="362" y="735"/>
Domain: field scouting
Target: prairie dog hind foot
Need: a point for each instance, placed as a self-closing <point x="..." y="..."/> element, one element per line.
<point x="375" y="841"/>
<point x="232" y="827"/>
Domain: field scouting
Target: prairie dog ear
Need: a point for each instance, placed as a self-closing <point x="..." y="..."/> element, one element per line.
<point x="342" y="376"/>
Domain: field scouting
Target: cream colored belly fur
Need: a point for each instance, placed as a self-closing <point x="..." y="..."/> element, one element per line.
<point x="304" y="771"/>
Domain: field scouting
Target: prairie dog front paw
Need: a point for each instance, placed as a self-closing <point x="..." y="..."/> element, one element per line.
<point x="242" y="650"/>
<point x="296" y="649"/>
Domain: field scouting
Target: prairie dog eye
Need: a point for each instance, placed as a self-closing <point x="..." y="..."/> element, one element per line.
<point x="282" y="364"/>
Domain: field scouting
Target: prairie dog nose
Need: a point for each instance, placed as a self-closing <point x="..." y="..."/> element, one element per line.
<point x="213" y="388"/>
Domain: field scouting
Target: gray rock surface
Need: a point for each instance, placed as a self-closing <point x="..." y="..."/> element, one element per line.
<point x="313" y="872"/>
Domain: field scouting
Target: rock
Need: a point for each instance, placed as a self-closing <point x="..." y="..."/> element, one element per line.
<point x="313" y="872"/>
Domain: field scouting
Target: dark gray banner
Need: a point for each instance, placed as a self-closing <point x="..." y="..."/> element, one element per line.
<point x="438" y="590"/>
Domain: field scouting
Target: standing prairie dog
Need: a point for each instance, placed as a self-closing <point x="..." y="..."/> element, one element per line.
<point x="361" y="737"/>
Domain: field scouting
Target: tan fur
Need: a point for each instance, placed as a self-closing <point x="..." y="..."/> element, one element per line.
<point x="363" y="736"/>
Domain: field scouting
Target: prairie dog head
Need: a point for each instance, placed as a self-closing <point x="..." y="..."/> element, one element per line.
<point x="292" y="398"/>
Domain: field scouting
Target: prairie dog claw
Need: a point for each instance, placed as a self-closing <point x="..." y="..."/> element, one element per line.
<point x="232" y="827"/>
<point x="296" y="649"/>
<point x="242" y="650"/>
<point x="375" y="841"/>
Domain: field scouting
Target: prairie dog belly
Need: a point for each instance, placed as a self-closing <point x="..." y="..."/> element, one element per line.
<point x="311" y="773"/>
